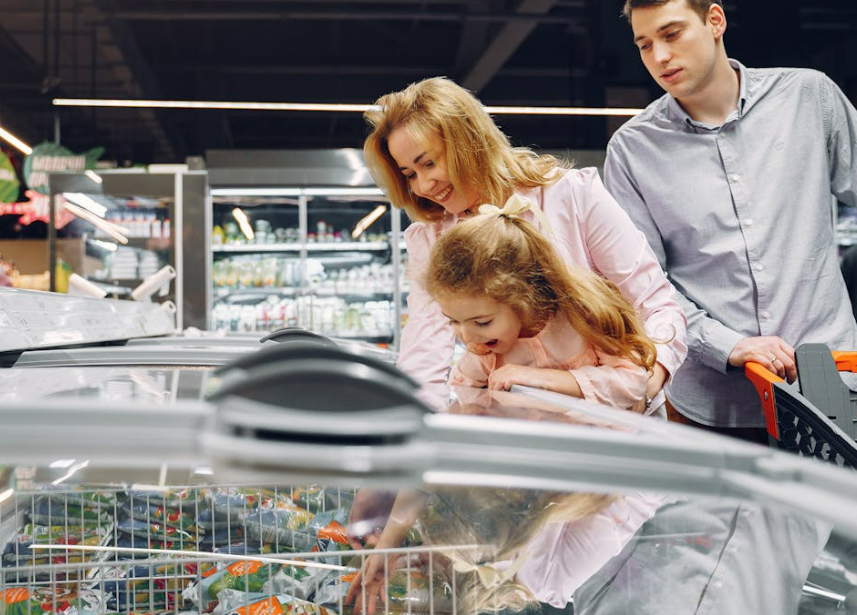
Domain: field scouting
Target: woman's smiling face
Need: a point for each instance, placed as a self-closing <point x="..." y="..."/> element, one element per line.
<point x="426" y="174"/>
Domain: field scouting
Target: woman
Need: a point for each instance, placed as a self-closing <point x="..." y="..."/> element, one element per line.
<point x="438" y="155"/>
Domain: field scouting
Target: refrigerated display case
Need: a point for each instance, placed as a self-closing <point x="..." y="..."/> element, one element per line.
<point x="239" y="499"/>
<point x="116" y="229"/>
<point x="316" y="246"/>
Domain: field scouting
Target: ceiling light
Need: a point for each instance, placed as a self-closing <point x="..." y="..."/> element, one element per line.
<point x="93" y="176"/>
<point x="243" y="223"/>
<point x="15" y="142"/>
<point x="367" y="221"/>
<point x="330" y="107"/>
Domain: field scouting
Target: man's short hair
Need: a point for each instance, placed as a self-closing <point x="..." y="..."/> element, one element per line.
<point x="700" y="7"/>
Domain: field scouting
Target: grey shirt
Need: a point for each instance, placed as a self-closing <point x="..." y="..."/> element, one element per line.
<point x="739" y="216"/>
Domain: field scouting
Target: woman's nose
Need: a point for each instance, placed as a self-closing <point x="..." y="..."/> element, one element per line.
<point x="425" y="184"/>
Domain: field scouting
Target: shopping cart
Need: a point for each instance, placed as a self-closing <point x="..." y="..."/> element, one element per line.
<point x="819" y="421"/>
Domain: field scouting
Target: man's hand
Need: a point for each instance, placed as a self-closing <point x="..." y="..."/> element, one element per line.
<point x="770" y="351"/>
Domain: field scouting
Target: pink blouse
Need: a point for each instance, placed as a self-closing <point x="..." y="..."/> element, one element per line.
<point x="589" y="230"/>
<point x="603" y="378"/>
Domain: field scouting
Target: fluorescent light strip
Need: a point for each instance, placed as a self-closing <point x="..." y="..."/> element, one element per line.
<point x="367" y="221"/>
<point x="82" y="200"/>
<point x="332" y="107"/>
<point x="108" y="227"/>
<point x="243" y="223"/>
<point x="15" y="141"/>
<point x="93" y="176"/>
<point x="296" y="192"/>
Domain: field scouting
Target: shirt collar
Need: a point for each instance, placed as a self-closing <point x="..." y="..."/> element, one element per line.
<point x="744" y="92"/>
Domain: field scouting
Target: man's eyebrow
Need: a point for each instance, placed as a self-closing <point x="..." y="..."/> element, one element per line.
<point x="666" y="26"/>
<point x="416" y="161"/>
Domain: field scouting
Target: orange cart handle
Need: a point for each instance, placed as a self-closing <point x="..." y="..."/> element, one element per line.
<point x="846" y="360"/>
<point x="763" y="380"/>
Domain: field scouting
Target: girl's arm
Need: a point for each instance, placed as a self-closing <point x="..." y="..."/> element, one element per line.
<point x="613" y="382"/>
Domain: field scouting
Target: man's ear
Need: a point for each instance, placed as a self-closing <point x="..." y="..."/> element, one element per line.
<point x="716" y="20"/>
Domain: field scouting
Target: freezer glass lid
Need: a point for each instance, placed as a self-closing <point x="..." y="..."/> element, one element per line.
<point x="515" y="503"/>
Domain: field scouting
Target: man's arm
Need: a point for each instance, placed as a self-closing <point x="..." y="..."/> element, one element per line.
<point x="841" y="124"/>
<point x="710" y="342"/>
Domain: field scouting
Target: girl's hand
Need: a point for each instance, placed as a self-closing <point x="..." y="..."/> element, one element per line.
<point x="503" y="378"/>
<point x="368" y="584"/>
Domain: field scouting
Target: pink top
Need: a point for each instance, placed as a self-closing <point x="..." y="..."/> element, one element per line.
<point x="603" y="378"/>
<point x="562" y="556"/>
<point x="589" y="230"/>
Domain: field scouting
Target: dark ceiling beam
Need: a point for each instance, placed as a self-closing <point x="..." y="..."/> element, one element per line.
<point x="145" y="84"/>
<point x="505" y="43"/>
<point x="473" y="38"/>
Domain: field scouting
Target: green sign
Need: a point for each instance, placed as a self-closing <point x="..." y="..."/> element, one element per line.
<point x="9" y="184"/>
<point x="54" y="158"/>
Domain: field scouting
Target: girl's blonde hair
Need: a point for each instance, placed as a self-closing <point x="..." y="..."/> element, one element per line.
<point x="451" y="123"/>
<point x="506" y="258"/>
<point x="506" y="521"/>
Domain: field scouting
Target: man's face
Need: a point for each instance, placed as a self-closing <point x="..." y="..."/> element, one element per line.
<point x="677" y="47"/>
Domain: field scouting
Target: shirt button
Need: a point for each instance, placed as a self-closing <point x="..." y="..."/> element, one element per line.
<point x="758" y="267"/>
<point x="765" y="314"/>
<point x="736" y="178"/>
<point x="748" y="222"/>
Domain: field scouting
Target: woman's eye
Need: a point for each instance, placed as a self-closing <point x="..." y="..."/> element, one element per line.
<point x="483" y="324"/>
<point x="430" y="163"/>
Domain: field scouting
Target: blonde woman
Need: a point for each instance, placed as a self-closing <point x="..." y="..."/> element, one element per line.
<point x="438" y="155"/>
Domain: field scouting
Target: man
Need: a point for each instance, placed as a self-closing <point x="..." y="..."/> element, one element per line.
<point x="730" y="175"/>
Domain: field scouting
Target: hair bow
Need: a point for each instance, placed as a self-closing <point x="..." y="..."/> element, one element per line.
<point x="514" y="207"/>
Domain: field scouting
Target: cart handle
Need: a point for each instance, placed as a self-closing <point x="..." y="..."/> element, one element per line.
<point x="846" y="360"/>
<point x="764" y="380"/>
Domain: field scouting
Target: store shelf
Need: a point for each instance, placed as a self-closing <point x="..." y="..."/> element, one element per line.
<point x="343" y="246"/>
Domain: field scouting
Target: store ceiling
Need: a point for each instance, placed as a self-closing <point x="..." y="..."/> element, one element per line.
<point x="534" y="52"/>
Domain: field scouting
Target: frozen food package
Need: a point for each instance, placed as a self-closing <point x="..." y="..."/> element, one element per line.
<point x="52" y="601"/>
<point x="47" y="512"/>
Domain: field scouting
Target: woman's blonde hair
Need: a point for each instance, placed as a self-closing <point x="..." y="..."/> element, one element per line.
<point x="506" y="258"/>
<point x="440" y="115"/>
<point x="506" y="521"/>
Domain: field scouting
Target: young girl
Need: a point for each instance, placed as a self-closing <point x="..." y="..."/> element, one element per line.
<point x="527" y="318"/>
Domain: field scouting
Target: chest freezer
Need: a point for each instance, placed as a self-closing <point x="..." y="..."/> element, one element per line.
<point x="251" y="499"/>
<point x="251" y="491"/>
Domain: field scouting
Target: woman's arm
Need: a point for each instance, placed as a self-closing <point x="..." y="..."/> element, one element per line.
<point x="427" y="339"/>
<point x="620" y="253"/>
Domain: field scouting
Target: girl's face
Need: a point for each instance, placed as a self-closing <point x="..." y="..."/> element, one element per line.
<point x="481" y="323"/>
<point x="425" y="171"/>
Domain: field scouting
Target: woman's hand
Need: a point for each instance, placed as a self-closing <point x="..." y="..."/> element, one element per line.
<point x="656" y="381"/>
<point x="369" y="584"/>
<point x="368" y="516"/>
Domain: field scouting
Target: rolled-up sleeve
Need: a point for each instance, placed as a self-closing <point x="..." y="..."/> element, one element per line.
<point x="620" y="252"/>
<point x="614" y="382"/>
